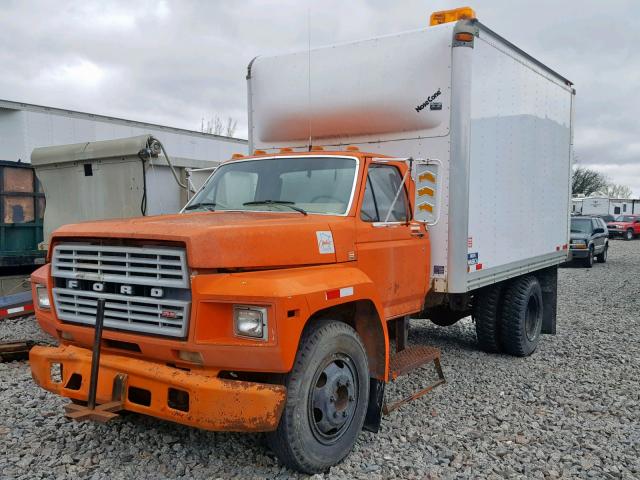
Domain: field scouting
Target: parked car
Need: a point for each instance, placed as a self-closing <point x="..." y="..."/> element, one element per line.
<point x="607" y="218"/>
<point x="626" y="226"/>
<point x="589" y="239"/>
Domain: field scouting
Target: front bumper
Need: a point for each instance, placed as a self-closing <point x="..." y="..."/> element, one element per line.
<point x="213" y="403"/>
<point x="579" y="253"/>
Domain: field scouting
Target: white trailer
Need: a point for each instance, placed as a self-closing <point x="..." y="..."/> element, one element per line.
<point x="576" y="205"/>
<point x="596" y="206"/>
<point x="621" y="206"/>
<point x="494" y="124"/>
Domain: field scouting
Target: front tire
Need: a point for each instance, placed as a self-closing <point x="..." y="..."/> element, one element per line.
<point x="327" y="398"/>
<point x="522" y="316"/>
<point x="628" y="235"/>
<point x="588" y="262"/>
<point x="602" y="258"/>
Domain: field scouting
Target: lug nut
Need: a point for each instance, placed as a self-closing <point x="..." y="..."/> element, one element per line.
<point x="332" y="399"/>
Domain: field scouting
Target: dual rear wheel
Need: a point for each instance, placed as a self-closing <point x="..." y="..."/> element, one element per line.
<point x="509" y="317"/>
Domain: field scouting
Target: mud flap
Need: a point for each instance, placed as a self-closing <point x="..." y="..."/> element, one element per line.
<point x="374" y="409"/>
<point x="548" y="279"/>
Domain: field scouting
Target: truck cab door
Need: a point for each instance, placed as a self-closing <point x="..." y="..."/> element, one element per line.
<point x="392" y="250"/>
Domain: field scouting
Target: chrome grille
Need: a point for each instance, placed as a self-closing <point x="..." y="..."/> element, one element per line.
<point x="162" y="267"/>
<point x="137" y="314"/>
<point x="143" y="271"/>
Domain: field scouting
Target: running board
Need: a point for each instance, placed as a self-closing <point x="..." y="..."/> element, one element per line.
<point x="405" y="362"/>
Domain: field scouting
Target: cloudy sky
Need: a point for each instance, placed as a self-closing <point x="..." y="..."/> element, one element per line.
<point x="175" y="62"/>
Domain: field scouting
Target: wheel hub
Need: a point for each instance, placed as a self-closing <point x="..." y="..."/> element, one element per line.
<point x="333" y="401"/>
<point x="533" y="317"/>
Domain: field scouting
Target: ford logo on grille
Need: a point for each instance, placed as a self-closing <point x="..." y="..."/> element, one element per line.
<point x="155" y="292"/>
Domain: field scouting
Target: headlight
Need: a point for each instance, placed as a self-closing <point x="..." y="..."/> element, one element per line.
<point x="43" y="297"/>
<point x="250" y="321"/>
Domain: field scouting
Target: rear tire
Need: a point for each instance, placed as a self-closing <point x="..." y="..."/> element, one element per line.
<point x="327" y="398"/>
<point x="602" y="258"/>
<point x="628" y="235"/>
<point x="486" y="313"/>
<point x="443" y="316"/>
<point x="588" y="262"/>
<point x="522" y="316"/>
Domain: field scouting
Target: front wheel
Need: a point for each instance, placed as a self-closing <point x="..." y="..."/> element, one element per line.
<point x="602" y="258"/>
<point x="327" y="398"/>
<point x="628" y="235"/>
<point x="588" y="261"/>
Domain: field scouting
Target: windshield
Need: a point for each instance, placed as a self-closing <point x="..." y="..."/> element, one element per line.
<point x="321" y="185"/>
<point x="624" y="218"/>
<point x="581" y="225"/>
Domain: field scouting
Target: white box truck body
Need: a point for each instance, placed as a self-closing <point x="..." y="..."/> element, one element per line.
<point x="495" y="123"/>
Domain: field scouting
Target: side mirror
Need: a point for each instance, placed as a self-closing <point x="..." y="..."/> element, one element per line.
<point x="598" y="230"/>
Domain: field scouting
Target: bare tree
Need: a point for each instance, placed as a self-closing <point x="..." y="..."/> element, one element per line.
<point x="617" y="191"/>
<point x="216" y="126"/>
<point x="586" y="181"/>
<point x="231" y="127"/>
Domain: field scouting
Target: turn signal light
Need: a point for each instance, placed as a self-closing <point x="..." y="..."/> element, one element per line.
<point x="193" y="357"/>
<point x="464" y="37"/>
<point x="446" y="16"/>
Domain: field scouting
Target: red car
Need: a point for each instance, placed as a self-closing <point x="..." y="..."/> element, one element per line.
<point x="626" y="226"/>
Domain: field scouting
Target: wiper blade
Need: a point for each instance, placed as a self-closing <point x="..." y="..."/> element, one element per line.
<point x="286" y="203"/>
<point x="200" y="204"/>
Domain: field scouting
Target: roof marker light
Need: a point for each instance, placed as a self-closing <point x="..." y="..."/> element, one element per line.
<point x="286" y="150"/>
<point x="259" y="152"/>
<point x="317" y="148"/>
<point x="352" y="148"/>
<point x="236" y="156"/>
<point x="446" y="16"/>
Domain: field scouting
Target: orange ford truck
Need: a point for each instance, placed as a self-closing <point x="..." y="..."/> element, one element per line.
<point x="424" y="175"/>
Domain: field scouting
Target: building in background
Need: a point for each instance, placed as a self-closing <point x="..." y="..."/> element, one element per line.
<point x="24" y="127"/>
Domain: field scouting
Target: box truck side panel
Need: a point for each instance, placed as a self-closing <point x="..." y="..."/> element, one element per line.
<point x="389" y="88"/>
<point x="520" y="146"/>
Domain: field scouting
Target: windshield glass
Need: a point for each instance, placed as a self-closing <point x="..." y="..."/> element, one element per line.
<point x="312" y="184"/>
<point x="581" y="225"/>
<point x="624" y="218"/>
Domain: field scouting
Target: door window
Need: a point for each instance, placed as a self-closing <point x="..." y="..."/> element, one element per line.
<point x="383" y="182"/>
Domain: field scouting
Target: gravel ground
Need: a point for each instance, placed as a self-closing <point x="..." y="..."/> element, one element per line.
<point x="572" y="410"/>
